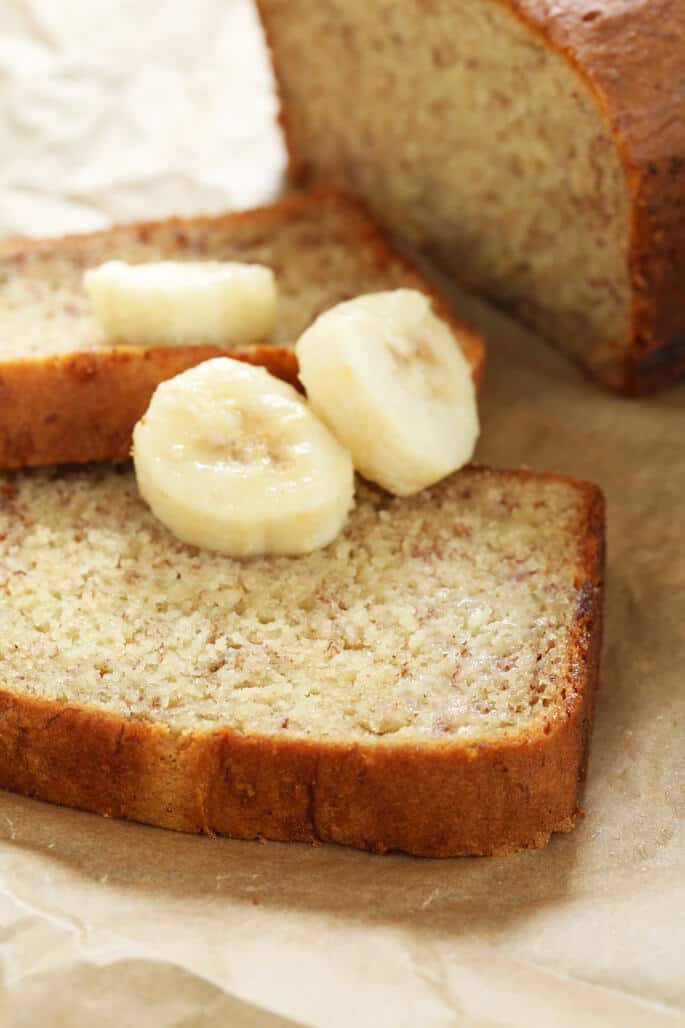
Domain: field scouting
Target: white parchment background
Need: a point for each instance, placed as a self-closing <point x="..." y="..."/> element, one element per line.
<point x="131" y="109"/>
<point x="141" y="108"/>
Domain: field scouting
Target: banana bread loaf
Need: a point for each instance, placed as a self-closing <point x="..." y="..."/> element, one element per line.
<point x="425" y="683"/>
<point x="535" y="148"/>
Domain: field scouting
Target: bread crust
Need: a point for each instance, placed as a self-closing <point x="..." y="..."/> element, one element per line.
<point x="631" y="56"/>
<point x="82" y="406"/>
<point x="436" y="799"/>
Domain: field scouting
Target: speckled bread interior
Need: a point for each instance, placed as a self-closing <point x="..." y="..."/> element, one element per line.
<point x="535" y="149"/>
<point x="424" y="683"/>
<point x="68" y="398"/>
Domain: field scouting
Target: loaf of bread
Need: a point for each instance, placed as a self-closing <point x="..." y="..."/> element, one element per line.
<point x="66" y="397"/>
<point x="424" y="684"/>
<point x="534" y="148"/>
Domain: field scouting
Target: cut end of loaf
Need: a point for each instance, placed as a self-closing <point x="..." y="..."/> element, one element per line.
<point x="497" y="159"/>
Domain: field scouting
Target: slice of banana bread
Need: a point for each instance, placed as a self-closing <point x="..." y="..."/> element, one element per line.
<point x="425" y="683"/>
<point x="65" y="397"/>
<point x="535" y="148"/>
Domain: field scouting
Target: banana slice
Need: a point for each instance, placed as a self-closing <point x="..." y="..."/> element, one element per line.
<point x="391" y="381"/>
<point x="231" y="459"/>
<point x="183" y="302"/>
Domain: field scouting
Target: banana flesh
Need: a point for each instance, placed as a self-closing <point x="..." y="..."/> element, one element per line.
<point x="175" y="303"/>
<point x="231" y="459"/>
<point x="390" y="380"/>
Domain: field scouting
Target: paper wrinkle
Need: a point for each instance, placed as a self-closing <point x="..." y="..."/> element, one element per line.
<point x="142" y="110"/>
<point x="160" y="113"/>
<point x="140" y="992"/>
<point x="40" y="945"/>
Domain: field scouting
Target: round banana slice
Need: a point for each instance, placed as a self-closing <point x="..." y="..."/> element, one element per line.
<point x="231" y="459"/>
<point x="391" y="381"/>
<point x="176" y="303"/>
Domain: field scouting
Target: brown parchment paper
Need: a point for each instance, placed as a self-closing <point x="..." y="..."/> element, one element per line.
<point x="112" y="924"/>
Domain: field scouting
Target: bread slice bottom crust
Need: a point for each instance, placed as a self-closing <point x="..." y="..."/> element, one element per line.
<point x="433" y="799"/>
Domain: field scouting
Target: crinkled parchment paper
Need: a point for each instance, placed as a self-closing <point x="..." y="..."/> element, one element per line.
<point x="131" y="109"/>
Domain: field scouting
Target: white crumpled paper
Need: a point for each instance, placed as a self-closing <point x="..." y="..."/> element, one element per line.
<point x="131" y="109"/>
<point x="128" y="110"/>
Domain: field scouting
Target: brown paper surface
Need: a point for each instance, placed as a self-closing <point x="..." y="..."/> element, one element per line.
<point x="106" y="923"/>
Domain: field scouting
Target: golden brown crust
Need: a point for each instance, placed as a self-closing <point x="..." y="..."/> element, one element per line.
<point x="431" y="799"/>
<point x="631" y="55"/>
<point x="82" y="406"/>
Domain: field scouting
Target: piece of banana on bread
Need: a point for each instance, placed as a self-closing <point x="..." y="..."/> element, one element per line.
<point x="230" y="458"/>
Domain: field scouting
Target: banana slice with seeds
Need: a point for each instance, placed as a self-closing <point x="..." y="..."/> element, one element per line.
<point x="229" y="458"/>
<point x="161" y="303"/>
<point x="391" y="381"/>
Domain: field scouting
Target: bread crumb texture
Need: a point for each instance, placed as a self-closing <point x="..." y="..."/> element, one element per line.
<point x="318" y="252"/>
<point x="494" y="157"/>
<point x="448" y="615"/>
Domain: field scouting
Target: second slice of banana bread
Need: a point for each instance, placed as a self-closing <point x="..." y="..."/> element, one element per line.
<point x="66" y="397"/>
